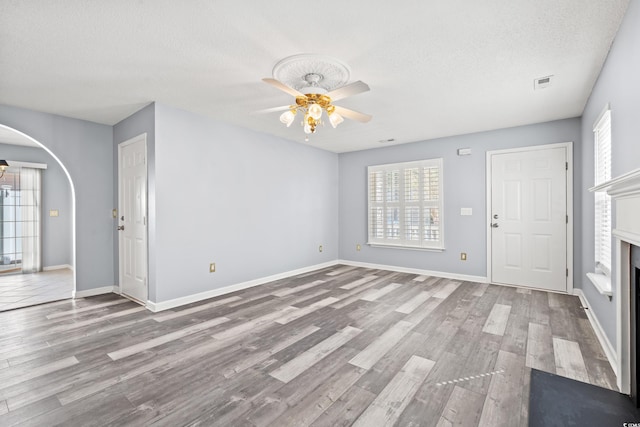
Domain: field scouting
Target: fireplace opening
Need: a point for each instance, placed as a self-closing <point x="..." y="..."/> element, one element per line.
<point x="634" y="276"/>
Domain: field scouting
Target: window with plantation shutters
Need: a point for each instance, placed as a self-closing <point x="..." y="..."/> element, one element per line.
<point x="405" y="204"/>
<point x="602" y="149"/>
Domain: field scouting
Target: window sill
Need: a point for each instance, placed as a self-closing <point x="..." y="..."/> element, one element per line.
<point x="602" y="284"/>
<point x="383" y="245"/>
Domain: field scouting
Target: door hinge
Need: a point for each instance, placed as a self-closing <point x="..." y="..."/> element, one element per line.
<point x="567" y="272"/>
<point x="567" y="219"/>
<point x="566" y="166"/>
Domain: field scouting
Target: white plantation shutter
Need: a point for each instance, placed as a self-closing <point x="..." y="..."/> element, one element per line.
<point x="405" y="204"/>
<point x="602" y="149"/>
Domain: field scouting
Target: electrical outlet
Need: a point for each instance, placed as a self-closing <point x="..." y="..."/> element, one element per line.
<point x="212" y="267"/>
<point x="320" y="248"/>
<point x="54" y="212"/>
<point x="358" y="247"/>
<point x="463" y="256"/>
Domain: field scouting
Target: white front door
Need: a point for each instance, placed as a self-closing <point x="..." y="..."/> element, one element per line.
<point x="528" y="208"/>
<point x="132" y="217"/>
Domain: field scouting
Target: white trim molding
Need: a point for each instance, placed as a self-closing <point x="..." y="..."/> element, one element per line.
<point x="93" y="292"/>
<point x="445" y="275"/>
<point x="608" y="348"/>
<point x="189" y="299"/>
<point x="57" y="267"/>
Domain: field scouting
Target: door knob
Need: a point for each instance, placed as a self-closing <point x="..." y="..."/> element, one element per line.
<point x="120" y="227"/>
<point x="494" y="225"/>
<point x="495" y="216"/>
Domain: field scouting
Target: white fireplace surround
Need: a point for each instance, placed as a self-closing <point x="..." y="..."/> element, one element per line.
<point x="625" y="193"/>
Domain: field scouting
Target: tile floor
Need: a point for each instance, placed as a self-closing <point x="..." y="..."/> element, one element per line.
<point x="23" y="290"/>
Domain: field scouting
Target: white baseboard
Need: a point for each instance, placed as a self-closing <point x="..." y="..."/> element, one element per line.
<point x="609" y="350"/>
<point x="454" y="276"/>
<point x="92" y="292"/>
<point x="189" y="299"/>
<point x="57" y="267"/>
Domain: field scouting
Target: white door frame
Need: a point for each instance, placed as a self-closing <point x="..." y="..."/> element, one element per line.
<point x="568" y="146"/>
<point x="141" y="137"/>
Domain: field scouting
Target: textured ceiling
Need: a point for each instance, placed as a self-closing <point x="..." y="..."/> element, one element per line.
<point x="435" y="68"/>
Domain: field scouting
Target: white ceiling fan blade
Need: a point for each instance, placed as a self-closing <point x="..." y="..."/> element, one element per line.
<point x="282" y="87"/>
<point x="272" y="110"/>
<point x="348" y="90"/>
<point x="353" y="115"/>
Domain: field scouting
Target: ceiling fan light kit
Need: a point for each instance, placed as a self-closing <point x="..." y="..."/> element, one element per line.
<point x="315" y="81"/>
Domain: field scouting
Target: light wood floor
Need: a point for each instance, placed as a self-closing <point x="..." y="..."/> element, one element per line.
<point x="23" y="290"/>
<point x="339" y="346"/>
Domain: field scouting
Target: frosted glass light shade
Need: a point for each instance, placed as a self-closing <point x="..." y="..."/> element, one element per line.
<point x="335" y="119"/>
<point x="307" y="128"/>
<point x="287" y="117"/>
<point x="315" y="111"/>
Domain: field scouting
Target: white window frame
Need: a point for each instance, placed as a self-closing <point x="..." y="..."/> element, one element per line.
<point x="602" y="204"/>
<point x="402" y="242"/>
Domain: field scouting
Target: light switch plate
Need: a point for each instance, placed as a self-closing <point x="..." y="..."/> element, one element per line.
<point x="466" y="211"/>
<point x="54" y="212"/>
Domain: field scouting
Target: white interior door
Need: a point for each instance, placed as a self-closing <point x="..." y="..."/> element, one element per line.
<point x="132" y="220"/>
<point x="528" y="209"/>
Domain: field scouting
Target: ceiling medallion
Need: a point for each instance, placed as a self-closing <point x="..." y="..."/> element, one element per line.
<point x="315" y="81"/>
<point x="306" y="71"/>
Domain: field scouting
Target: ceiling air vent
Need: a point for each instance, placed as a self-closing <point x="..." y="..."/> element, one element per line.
<point x="542" y="82"/>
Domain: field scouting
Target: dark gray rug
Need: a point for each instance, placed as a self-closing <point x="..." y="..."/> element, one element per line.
<point x="560" y="401"/>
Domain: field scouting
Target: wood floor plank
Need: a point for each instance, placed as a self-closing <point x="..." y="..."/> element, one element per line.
<point x="10" y="377"/>
<point x="295" y="367"/>
<point x="163" y="317"/>
<point x="252" y="325"/>
<point x="375" y="294"/>
<point x="258" y="357"/>
<point x="319" y="400"/>
<point x="569" y="361"/>
<point x="387" y="407"/>
<point x="341" y="270"/>
<point x="300" y="312"/>
<point x="75" y="311"/>
<point x="294" y="290"/>
<point x="540" y="353"/>
<point x="497" y="321"/>
<point x="504" y="397"/>
<point x="146" y="345"/>
<point x="463" y="408"/>
<point x="447" y="290"/>
<point x="378" y="348"/>
<point x="414" y="303"/>
<point x="356" y="283"/>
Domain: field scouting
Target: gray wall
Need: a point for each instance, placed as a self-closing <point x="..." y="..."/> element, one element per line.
<point x="141" y="122"/>
<point x="86" y="150"/>
<point x="56" y="194"/>
<point x="464" y="186"/>
<point x="618" y="85"/>
<point x="255" y="205"/>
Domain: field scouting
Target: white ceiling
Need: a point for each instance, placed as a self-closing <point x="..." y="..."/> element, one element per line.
<point x="435" y="68"/>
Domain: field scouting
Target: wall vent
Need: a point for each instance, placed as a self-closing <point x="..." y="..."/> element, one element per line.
<point x="542" y="82"/>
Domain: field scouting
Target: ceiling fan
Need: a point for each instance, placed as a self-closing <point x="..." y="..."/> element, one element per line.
<point x="311" y="100"/>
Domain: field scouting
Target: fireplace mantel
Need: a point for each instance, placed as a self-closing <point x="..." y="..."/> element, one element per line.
<point x="625" y="192"/>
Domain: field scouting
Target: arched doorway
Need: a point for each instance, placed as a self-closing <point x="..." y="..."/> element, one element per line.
<point x="23" y="282"/>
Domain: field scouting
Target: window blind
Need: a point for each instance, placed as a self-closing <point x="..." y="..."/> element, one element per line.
<point x="405" y="204"/>
<point x="602" y="149"/>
